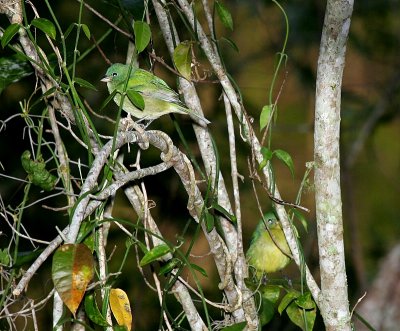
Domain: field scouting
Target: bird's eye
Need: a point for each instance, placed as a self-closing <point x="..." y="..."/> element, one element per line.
<point x="114" y="74"/>
<point x="268" y="222"/>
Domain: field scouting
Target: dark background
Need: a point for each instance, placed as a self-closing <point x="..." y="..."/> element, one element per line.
<point x="370" y="102"/>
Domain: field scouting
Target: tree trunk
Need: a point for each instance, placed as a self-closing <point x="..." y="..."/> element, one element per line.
<point x="333" y="302"/>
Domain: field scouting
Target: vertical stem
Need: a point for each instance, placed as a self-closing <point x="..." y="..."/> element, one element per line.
<point x="333" y="303"/>
<point x="57" y="311"/>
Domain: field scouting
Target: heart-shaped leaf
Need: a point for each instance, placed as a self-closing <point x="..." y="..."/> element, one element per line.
<point x="287" y="299"/>
<point x="267" y="311"/>
<point x="303" y="318"/>
<point x="72" y="270"/>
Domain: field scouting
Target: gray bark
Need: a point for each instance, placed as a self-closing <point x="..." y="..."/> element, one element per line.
<point x="333" y="300"/>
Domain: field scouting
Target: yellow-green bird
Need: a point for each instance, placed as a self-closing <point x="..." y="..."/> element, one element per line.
<point x="147" y="96"/>
<point x="264" y="254"/>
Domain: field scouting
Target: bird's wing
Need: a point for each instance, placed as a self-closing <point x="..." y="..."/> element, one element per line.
<point x="143" y="77"/>
<point x="149" y="85"/>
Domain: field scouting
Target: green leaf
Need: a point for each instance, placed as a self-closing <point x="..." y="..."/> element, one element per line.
<point x="171" y="264"/>
<point x="46" y="26"/>
<point x="90" y="242"/>
<point x="266" y="153"/>
<point x="4" y="257"/>
<point x="218" y="226"/>
<point x="129" y="243"/>
<point x="305" y="301"/>
<point x="224" y="15"/>
<point x="235" y="327"/>
<point x="210" y="222"/>
<point x="224" y="212"/>
<point x="136" y="98"/>
<point x="142" y="35"/>
<point x="199" y="269"/>
<point x="84" y="83"/>
<point x="46" y="94"/>
<point x="271" y="292"/>
<point x="183" y="59"/>
<point x="285" y="158"/>
<point x="69" y="30"/>
<point x="85" y="231"/>
<point x="120" y="328"/>
<point x="72" y="270"/>
<point x="267" y="156"/>
<point x="267" y="311"/>
<point x="93" y="312"/>
<point x="86" y="30"/>
<point x="141" y="245"/>
<point x="108" y="100"/>
<point x="302" y="318"/>
<point x="154" y="254"/>
<point x="231" y="43"/>
<point x="13" y="69"/>
<point x="287" y="299"/>
<point x="265" y="116"/>
<point x="9" y="33"/>
<point x="301" y="218"/>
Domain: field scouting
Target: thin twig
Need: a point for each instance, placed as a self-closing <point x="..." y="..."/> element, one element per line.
<point x="115" y="27"/>
<point x="242" y="268"/>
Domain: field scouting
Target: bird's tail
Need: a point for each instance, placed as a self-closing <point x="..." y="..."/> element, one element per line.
<point x="199" y="119"/>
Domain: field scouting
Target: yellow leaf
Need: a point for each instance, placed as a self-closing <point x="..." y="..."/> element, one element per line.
<point x="121" y="307"/>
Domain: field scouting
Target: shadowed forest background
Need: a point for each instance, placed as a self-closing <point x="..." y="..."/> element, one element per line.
<point x="370" y="131"/>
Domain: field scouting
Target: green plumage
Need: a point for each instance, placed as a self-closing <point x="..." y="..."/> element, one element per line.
<point x="263" y="254"/>
<point x="159" y="99"/>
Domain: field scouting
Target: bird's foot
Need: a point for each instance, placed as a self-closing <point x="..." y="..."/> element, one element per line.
<point x="127" y="123"/>
<point x="143" y="139"/>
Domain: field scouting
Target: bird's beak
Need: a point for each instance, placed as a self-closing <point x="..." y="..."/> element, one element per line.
<point x="106" y="79"/>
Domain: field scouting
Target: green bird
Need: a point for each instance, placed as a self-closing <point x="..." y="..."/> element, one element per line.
<point x="159" y="99"/>
<point x="264" y="254"/>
